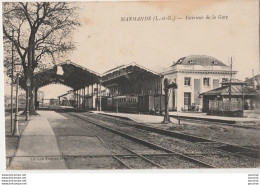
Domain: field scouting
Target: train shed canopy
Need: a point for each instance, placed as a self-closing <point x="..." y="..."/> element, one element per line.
<point x="131" y="72"/>
<point x="66" y="73"/>
<point x="131" y="79"/>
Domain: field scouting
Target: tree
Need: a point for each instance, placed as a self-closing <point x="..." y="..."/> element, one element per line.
<point x="42" y="34"/>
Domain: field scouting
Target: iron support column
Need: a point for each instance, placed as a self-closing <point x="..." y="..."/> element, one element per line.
<point x="80" y="98"/>
<point x="100" y="98"/>
<point x="77" y="94"/>
<point x="84" y="97"/>
<point x="87" y="97"/>
<point x="97" y="96"/>
<point x="92" y="95"/>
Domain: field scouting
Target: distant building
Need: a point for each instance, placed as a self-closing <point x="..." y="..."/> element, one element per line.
<point x="67" y="99"/>
<point x="21" y="100"/>
<point x="194" y="75"/>
<point x="253" y="82"/>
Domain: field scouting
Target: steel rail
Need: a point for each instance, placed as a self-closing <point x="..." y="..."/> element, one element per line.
<point x="114" y="156"/>
<point x="146" y="143"/>
<point x="122" y="162"/>
<point x="141" y="156"/>
<point x="230" y="148"/>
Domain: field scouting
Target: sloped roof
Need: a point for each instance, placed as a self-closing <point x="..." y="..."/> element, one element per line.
<point x="202" y="60"/>
<point x="72" y="75"/>
<point x="129" y="65"/>
<point x="233" y="82"/>
<point x="113" y="69"/>
<point x="127" y="73"/>
<point x="235" y="90"/>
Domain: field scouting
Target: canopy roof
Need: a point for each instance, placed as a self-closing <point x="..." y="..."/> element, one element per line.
<point x="127" y="73"/>
<point x="66" y="73"/>
<point x="236" y="90"/>
<point x="233" y="82"/>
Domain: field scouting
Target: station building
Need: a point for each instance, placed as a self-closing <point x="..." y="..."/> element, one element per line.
<point x="194" y="75"/>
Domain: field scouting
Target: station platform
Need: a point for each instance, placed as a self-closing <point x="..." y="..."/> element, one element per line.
<point x="37" y="147"/>
<point x="143" y="118"/>
<point x="140" y="118"/>
<point x="205" y="117"/>
<point x="52" y="141"/>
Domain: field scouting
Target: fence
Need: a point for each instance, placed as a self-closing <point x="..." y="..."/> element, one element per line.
<point x="225" y="108"/>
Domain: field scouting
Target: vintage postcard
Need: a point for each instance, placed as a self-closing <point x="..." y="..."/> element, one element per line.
<point x="131" y="85"/>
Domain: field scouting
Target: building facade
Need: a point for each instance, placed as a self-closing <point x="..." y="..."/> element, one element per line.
<point x="194" y="75"/>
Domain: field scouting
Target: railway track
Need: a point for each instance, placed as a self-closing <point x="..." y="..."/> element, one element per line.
<point x="153" y="146"/>
<point x="134" y="163"/>
<point x="131" y="160"/>
<point x="240" y="151"/>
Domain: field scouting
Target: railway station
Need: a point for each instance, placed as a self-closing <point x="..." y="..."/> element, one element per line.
<point x="93" y="87"/>
<point x="120" y="120"/>
<point x="128" y="88"/>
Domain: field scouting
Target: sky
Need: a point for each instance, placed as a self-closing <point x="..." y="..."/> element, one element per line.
<point x="104" y="41"/>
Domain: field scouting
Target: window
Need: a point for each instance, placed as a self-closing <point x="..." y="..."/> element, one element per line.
<point x="187" y="98"/>
<point x="224" y="79"/>
<point x="206" y="81"/>
<point x="215" y="83"/>
<point x="187" y="81"/>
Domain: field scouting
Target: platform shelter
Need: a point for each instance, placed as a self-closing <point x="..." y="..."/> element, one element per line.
<point x="79" y="78"/>
<point x="132" y="79"/>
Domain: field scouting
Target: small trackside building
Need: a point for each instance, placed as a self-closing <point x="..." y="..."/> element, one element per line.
<point x="194" y="75"/>
<point x="230" y="99"/>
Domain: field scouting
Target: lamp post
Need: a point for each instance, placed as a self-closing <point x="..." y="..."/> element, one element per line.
<point x="28" y="84"/>
<point x="16" y="120"/>
<point x="16" y="123"/>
